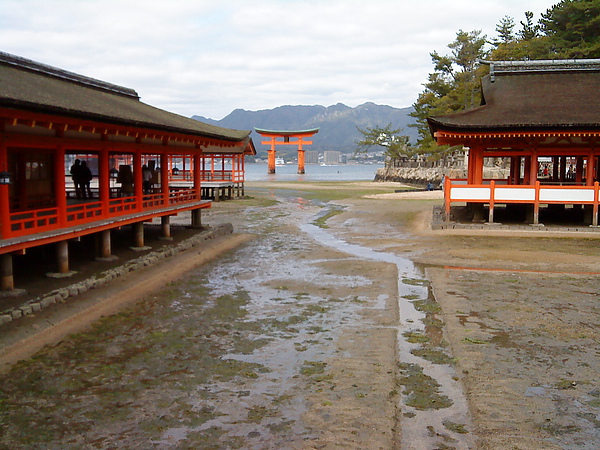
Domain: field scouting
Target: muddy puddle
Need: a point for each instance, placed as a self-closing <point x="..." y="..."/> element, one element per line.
<point x="300" y="339"/>
<point x="433" y="407"/>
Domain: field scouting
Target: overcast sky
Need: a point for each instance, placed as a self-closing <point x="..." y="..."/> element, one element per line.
<point x="209" y="57"/>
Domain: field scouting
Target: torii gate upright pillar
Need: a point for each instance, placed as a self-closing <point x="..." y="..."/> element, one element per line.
<point x="286" y="135"/>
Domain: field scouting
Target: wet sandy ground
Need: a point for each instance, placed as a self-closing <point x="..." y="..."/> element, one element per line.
<point x="300" y="340"/>
<point x="521" y="317"/>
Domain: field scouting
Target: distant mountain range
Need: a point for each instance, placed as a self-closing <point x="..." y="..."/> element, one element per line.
<point x="337" y="124"/>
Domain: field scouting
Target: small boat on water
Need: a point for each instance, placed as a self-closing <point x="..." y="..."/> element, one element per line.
<point x="279" y="162"/>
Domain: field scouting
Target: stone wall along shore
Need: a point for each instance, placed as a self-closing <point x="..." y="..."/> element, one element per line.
<point x="423" y="176"/>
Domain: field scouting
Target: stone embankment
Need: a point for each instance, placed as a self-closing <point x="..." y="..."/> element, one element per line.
<point x="61" y="295"/>
<point x="423" y="176"/>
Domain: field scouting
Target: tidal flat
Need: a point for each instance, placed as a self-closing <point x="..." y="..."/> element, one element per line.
<point x="362" y="330"/>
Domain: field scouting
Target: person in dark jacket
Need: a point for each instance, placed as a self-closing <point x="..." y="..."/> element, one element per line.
<point x="76" y="177"/>
<point x="86" y="178"/>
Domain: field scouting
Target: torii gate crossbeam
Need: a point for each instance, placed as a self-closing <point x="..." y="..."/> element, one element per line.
<point x="286" y="135"/>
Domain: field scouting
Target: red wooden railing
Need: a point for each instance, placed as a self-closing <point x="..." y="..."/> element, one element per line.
<point x="494" y="192"/>
<point x="39" y="220"/>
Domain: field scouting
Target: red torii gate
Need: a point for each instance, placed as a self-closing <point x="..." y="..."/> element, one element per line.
<point x="286" y="135"/>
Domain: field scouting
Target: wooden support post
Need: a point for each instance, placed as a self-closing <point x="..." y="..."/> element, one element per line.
<point x="536" y="204"/>
<point x="165" y="225"/>
<point x="104" y="247"/>
<point x="7" y="282"/>
<point x="62" y="256"/>
<point x="197" y="218"/>
<point x="478" y="212"/>
<point x="138" y="236"/>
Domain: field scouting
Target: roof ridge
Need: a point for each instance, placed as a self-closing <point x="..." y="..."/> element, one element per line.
<point x="45" y="69"/>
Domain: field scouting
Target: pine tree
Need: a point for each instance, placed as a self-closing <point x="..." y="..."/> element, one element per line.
<point x="453" y="86"/>
<point x="395" y="144"/>
<point x="573" y="29"/>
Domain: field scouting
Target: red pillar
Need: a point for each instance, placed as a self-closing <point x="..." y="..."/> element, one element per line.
<point x="272" y="156"/>
<point x="164" y="177"/>
<point x="589" y="174"/>
<point x="470" y="166"/>
<point x="515" y="170"/>
<point x="533" y="168"/>
<point x="104" y="179"/>
<point x="59" y="185"/>
<point x="300" y="157"/>
<point x="476" y="165"/>
<point x="138" y="187"/>
<point x="243" y="168"/>
<point x="197" y="176"/>
<point x="579" y="169"/>
<point x="527" y="170"/>
<point x="4" y="194"/>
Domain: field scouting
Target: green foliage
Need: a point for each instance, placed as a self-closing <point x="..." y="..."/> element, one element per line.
<point x="453" y="86"/>
<point x="394" y="144"/>
<point x="573" y="27"/>
<point x="505" y="30"/>
<point x="529" y="30"/>
<point x="569" y="29"/>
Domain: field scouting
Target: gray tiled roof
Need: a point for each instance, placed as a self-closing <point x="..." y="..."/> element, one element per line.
<point x="26" y="84"/>
<point x="535" y="95"/>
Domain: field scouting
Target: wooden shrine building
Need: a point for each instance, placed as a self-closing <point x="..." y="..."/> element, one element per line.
<point x="52" y="121"/>
<point x="285" y="140"/>
<point x="542" y="118"/>
<point x="222" y="171"/>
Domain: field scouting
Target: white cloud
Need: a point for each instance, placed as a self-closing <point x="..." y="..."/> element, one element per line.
<point x="208" y="58"/>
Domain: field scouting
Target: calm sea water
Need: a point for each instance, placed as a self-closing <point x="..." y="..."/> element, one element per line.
<point x="359" y="172"/>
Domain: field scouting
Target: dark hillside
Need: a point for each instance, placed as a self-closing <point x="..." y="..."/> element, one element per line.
<point x="337" y="123"/>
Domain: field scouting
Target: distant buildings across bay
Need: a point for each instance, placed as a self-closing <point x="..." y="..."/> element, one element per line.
<point x="328" y="158"/>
